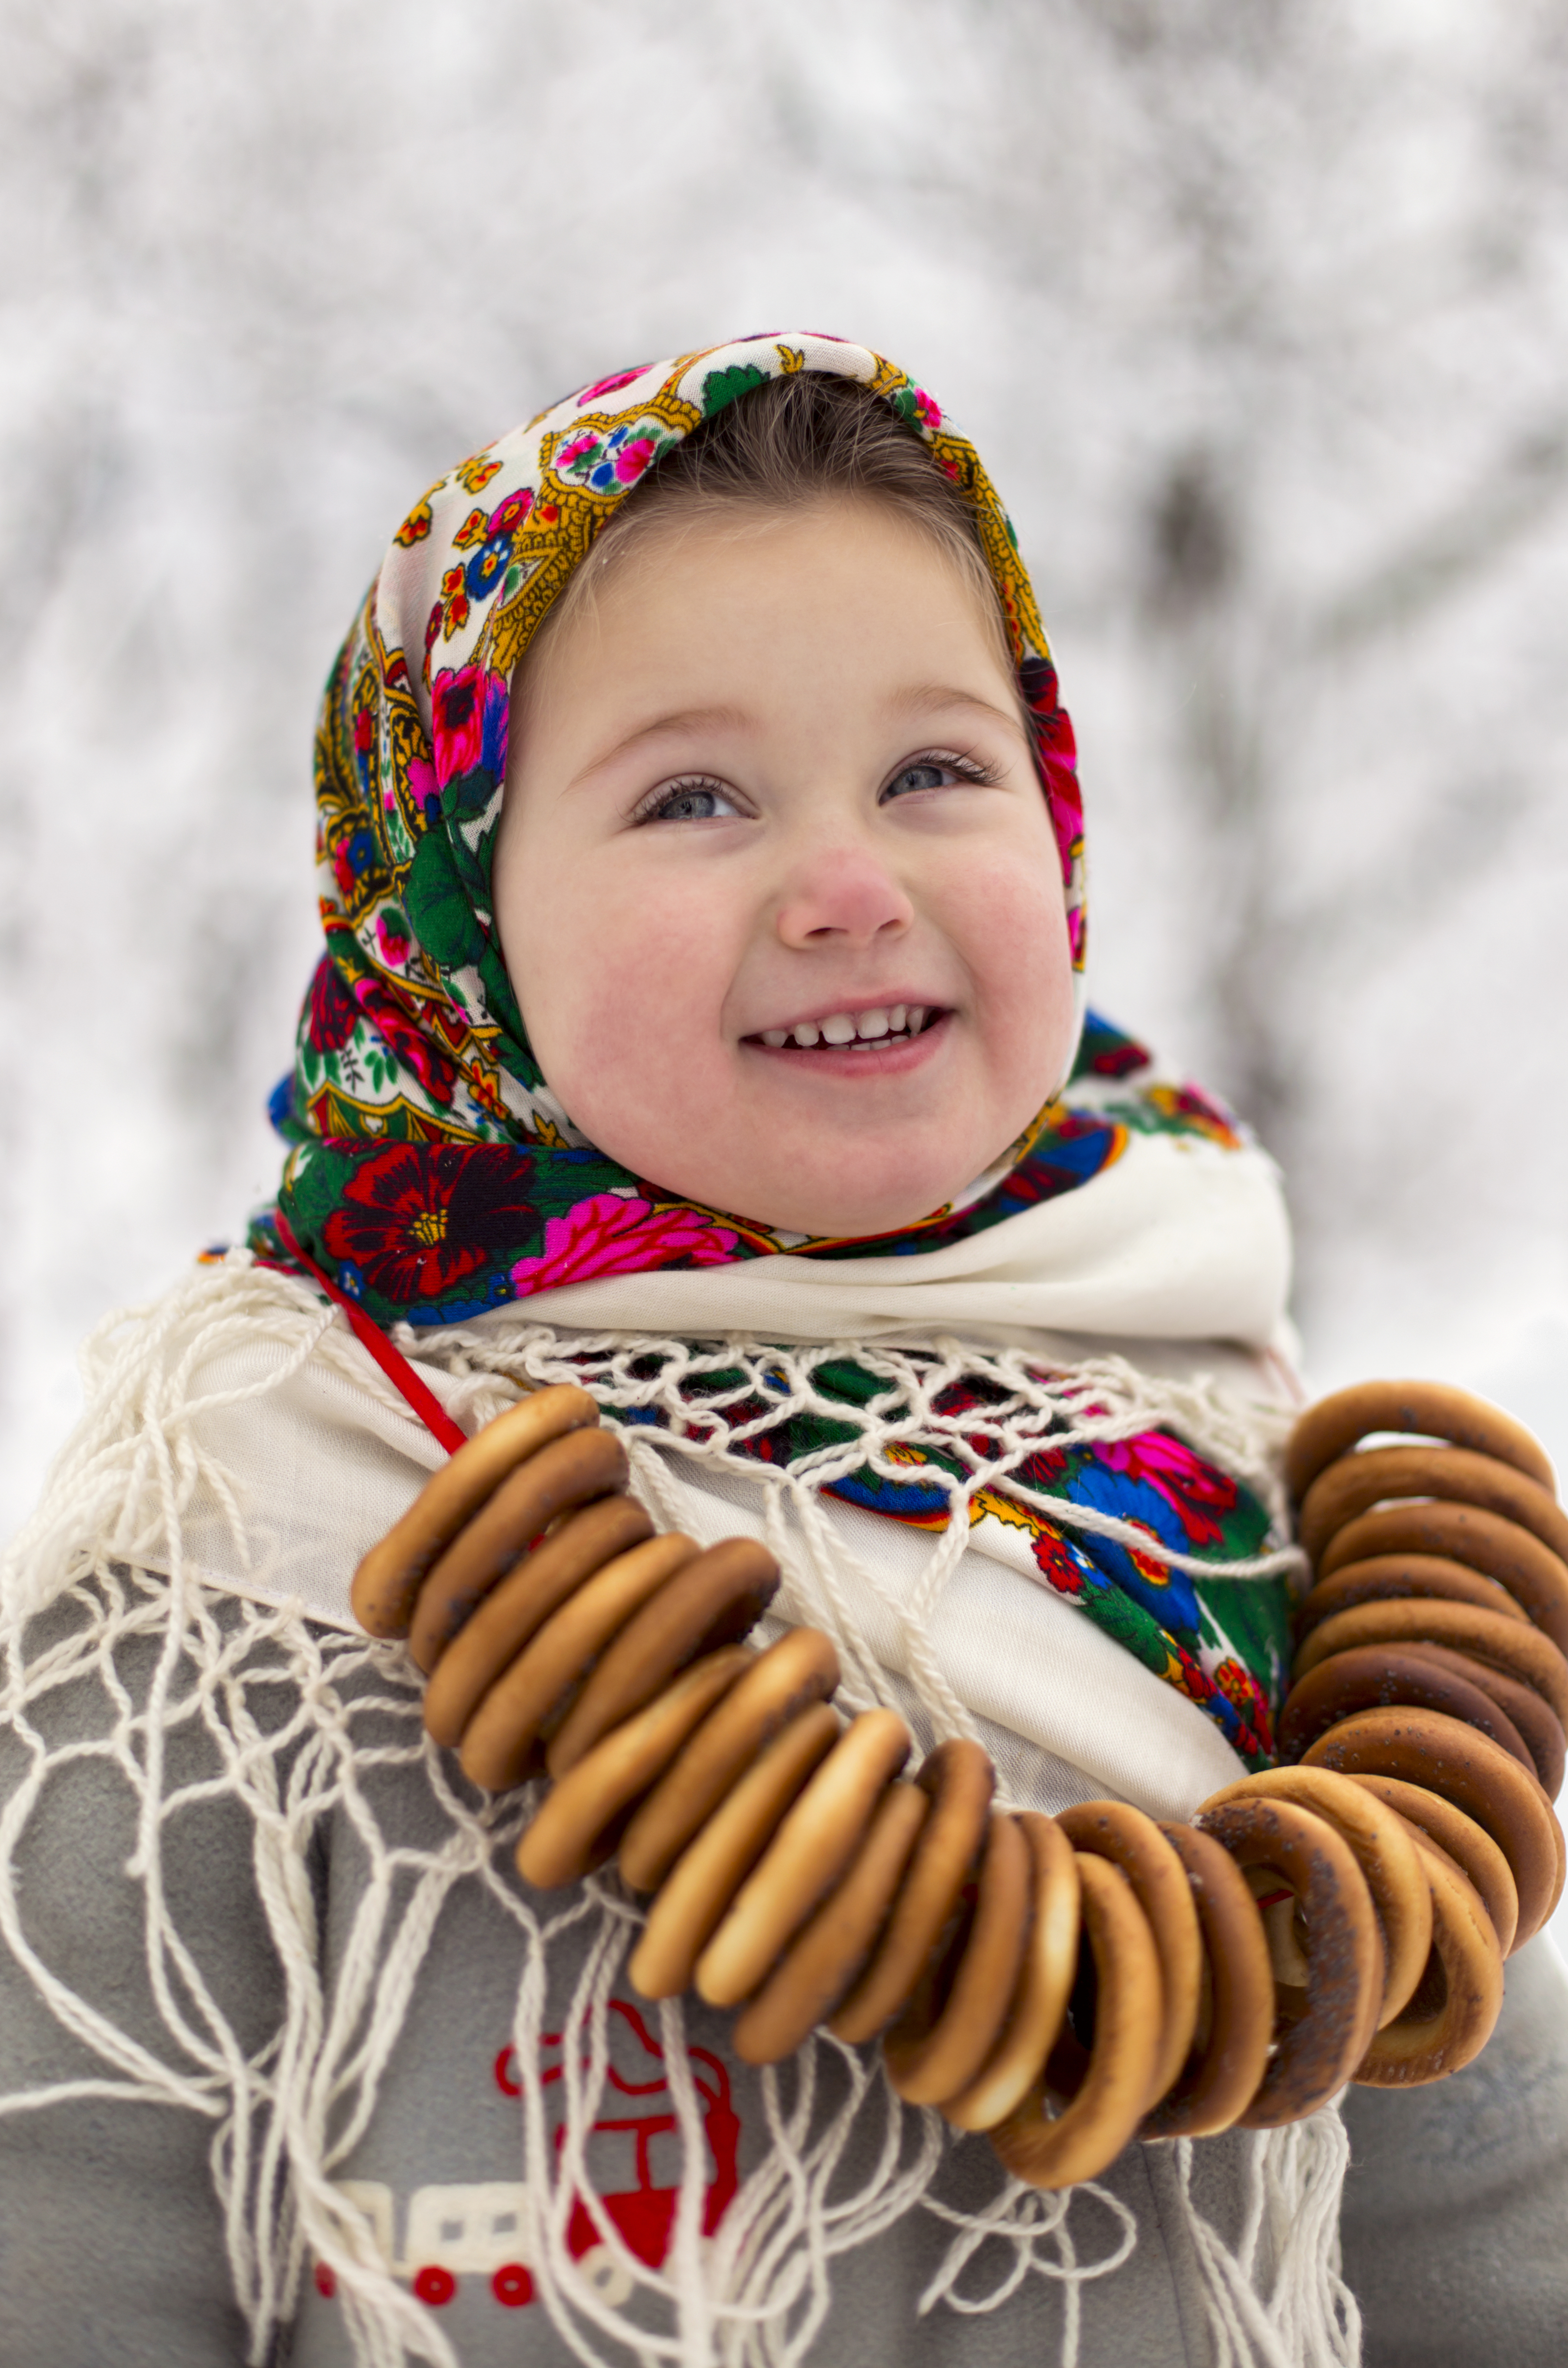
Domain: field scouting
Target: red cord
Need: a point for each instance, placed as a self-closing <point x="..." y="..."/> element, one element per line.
<point x="393" y="1362"/>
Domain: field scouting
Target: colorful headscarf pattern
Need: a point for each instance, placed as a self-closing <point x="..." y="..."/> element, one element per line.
<point x="431" y="1170"/>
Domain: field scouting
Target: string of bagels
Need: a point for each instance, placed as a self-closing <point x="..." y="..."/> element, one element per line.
<point x="1063" y="1984"/>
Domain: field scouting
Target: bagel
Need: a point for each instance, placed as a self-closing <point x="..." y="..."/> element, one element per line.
<point x="507" y="1621"/>
<point x="960" y="1778"/>
<point x="571" y="1470"/>
<point x="1369" y="1677"/>
<point x="1093" y="2125"/>
<point x="573" y="1829"/>
<point x="1044" y="1985"/>
<point x="1430" y="1409"/>
<point x="956" y="2017"/>
<point x="1485" y="1543"/>
<point x="391" y="1574"/>
<point x="698" y="1888"/>
<point x="824" y="1958"/>
<point x="1535" y="1723"/>
<point x="1391" y="1867"/>
<point x="1394" y="1577"/>
<point x="1237" y="2014"/>
<point x="814" y="1846"/>
<point x="1426" y="1747"/>
<point x="1469" y="1846"/>
<point x="1372" y="1474"/>
<point x="1455" y="2011"/>
<point x="501" y="1741"/>
<point x="1115" y="1830"/>
<point x="801" y="1669"/>
<point x="1511" y="1645"/>
<point x="1316" y="2054"/>
<point x="713" y="1600"/>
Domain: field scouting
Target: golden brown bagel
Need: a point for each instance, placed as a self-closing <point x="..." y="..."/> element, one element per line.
<point x="393" y="1573"/>
<point x="1102" y="2113"/>
<point x="694" y="1896"/>
<point x="960" y="1778"/>
<point x="1115" y="1830"/>
<point x="1236" y="2017"/>
<point x="1495" y="1548"/>
<point x="1454" y="2013"/>
<point x="799" y="1670"/>
<point x="574" y="1828"/>
<point x="1315" y="2055"/>
<point x="1372" y="1676"/>
<point x="814" y="1847"/>
<point x="1425" y="1748"/>
<point x="1044" y="1985"/>
<point x="1373" y="1474"/>
<point x="1511" y="1645"/>
<point x="507" y="1621"/>
<point x="714" y="1600"/>
<point x="825" y="1957"/>
<point x="501" y="1741"/>
<point x="1430" y="1409"/>
<point x="956" y="2016"/>
<point x="1469" y="1846"/>
<point x="571" y="1471"/>
<point x="1383" y="1850"/>
<point x="1539" y="1726"/>
<point x="1394" y="1577"/>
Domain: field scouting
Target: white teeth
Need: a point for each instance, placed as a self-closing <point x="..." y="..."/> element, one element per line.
<point x="860" y="1028"/>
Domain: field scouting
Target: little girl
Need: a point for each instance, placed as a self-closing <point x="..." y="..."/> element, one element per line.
<point x="701" y="1020"/>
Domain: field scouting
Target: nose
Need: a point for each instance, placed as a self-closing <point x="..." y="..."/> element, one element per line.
<point x="842" y="895"/>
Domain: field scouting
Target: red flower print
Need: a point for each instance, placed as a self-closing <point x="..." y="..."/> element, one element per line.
<point x="332" y="1014"/>
<point x="468" y="721"/>
<point x="418" y="1217"/>
<point x="611" y="1234"/>
<point x="405" y="1039"/>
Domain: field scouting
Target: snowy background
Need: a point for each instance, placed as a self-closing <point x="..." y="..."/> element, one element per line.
<point x="1260" y="316"/>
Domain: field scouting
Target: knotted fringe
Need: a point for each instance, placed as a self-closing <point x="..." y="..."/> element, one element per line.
<point x="845" y="2158"/>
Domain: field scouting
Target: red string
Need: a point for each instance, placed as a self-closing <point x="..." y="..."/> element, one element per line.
<point x="393" y="1362"/>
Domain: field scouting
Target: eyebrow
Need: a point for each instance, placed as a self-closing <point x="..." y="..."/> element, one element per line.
<point x="924" y="699"/>
<point x="686" y="719"/>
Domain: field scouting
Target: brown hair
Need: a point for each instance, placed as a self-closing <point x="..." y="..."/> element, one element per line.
<point x="785" y="443"/>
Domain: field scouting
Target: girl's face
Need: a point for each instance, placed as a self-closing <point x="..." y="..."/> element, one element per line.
<point x="775" y="881"/>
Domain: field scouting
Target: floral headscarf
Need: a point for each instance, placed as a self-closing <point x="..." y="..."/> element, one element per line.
<point x="432" y="1173"/>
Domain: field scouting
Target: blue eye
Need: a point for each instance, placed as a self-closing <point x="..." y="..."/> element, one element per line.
<point x="926" y="776"/>
<point x="690" y="801"/>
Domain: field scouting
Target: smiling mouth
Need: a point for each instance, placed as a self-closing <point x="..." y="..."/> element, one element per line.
<point x="871" y="1030"/>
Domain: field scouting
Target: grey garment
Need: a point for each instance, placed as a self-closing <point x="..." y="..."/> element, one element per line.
<point x="1455" y="2224"/>
<point x="112" y="2242"/>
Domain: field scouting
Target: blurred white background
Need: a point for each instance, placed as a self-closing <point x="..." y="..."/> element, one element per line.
<point x="1260" y="317"/>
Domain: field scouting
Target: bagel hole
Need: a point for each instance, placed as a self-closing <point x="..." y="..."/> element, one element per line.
<point x="1430" y="1996"/>
<point x="1069" y="2057"/>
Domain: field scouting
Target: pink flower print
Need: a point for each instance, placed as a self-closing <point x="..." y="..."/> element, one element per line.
<point x="633" y="457"/>
<point x="610" y="1233"/>
<point x="928" y="410"/>
<point x="1188" y="1485"/>
<point x="391" y="936"/>
<point x="576" y="449"/>
<point x="610" y="386"/>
